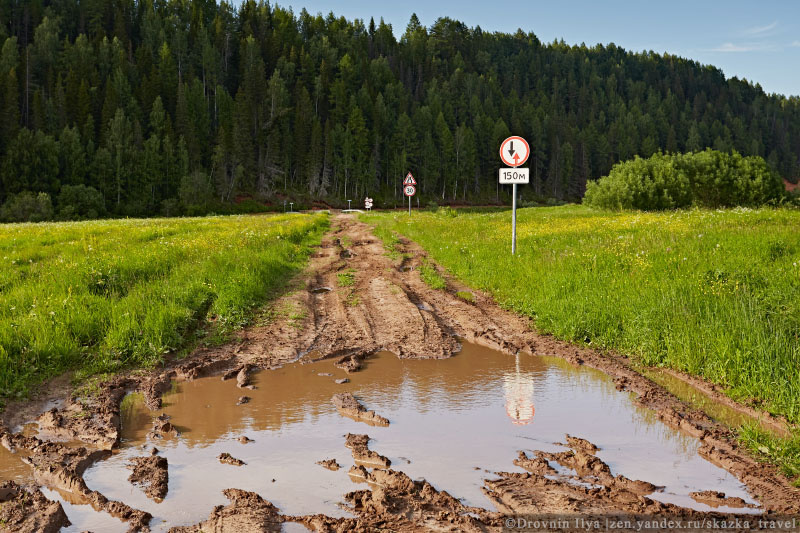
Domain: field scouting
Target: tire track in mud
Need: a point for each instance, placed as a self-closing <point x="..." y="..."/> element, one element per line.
<point x="384" y="305"/>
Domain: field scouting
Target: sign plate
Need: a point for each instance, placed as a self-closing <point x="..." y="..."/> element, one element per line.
<point x="409" y="180"/>
<point x="515" y="175"/>
<point x="514" y="151"/>
<point x="409" y="190"/>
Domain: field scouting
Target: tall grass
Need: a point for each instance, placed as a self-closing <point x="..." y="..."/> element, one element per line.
<point x="99" y="296"/>
<point x="712" y="293"/>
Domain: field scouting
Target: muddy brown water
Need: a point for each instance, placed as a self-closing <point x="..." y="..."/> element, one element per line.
<point x="453" y="422"/>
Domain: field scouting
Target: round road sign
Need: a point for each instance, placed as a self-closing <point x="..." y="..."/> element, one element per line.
<point x="514" y="151"/>
<point x="409" y="190"/>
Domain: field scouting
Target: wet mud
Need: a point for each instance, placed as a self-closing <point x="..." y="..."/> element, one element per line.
<point x="348" y="406"/>
<point x="515" y="423"/>
<point x="151" y="473"/>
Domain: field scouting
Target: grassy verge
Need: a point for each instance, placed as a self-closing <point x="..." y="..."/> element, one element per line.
<point x="711" y="293"/>
<point x="104" y="295"/>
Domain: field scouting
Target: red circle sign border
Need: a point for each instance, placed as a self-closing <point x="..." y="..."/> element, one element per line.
<point x="405" y="189"/>
<point x="527" y="151"/>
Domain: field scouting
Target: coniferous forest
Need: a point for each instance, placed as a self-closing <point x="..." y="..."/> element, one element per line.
<point x="139" y="108"/>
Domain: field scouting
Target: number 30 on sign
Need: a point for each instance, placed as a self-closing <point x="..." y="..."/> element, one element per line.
<point x="409" y="190"/>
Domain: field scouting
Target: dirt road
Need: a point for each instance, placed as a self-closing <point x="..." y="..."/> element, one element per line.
<point x="354" y="300"/>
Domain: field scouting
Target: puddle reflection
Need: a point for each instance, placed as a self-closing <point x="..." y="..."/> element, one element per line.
<point x="447" y="418"/>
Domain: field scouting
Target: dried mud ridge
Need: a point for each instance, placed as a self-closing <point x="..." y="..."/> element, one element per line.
<point x="388" y="307"/>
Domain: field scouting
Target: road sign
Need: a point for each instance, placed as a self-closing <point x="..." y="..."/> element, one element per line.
<point x="409" y="190"/>
<point x="409" y="181"/>
<point x="514" y="151"/>
<point x="515" y="175"/>
<point x="368" y="203"/>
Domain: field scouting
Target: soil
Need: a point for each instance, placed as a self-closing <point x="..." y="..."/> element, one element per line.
<point x="362" y="455"/>
<point x="246" y="513"/>
<point x="388" y="308"/>
<point x="330" y="464"/>
<point x="152" y="474"/>
<point x="348" y="406"/>
<point x="28" y="511"/>
<point x="228" y="459"/>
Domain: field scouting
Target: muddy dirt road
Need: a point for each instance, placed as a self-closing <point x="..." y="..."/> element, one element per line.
<point x="322" y="389"/>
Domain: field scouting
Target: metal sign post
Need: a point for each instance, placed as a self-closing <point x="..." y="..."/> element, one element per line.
<point x="348" y="204"/>
<point x="514" y="155"/>
<point x="409" y="189"/>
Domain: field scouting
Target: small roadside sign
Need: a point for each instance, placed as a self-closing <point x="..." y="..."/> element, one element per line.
<point x="368" y="203"/>
<point x="409" y="181"/>
<point x="409" y="190"/>
<point x="514" y="151"/>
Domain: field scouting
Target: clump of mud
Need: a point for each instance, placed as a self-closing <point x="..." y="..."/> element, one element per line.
<point x="151" y="473"/>
<point x="348" y="406"/>
<point x="577" y="443"/>
<point x="362" y="455"/>
<point x="162" y="428"/>
<point x="536" y="465"/>
<point x="349" y="363"/>
<point x="330" y="464"/>
<point x="26" y="511"/>
<point x="228" y="459"/>
<point x="715" y="498"/>
<point x="248" y="512"/>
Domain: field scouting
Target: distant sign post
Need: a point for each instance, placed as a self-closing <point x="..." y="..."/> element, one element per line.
<point x="368" y="203"/>
<point x="514" y="151"/>
<point x="409" y="189"/>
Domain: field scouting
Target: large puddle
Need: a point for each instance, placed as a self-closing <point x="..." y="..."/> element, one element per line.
<point x="453" y="422"/>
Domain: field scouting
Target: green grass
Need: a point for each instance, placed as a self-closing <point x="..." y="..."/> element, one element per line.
<point x="712" y="293"/>
<point x="466" y="296"/>
<point x="345" y="279"/>
<point x="784" y="452"/>
<point x="431" y="277"/>
<point x="105" y="295"/>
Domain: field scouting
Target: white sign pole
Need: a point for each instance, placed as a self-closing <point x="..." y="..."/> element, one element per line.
<point x="514" y="220"/>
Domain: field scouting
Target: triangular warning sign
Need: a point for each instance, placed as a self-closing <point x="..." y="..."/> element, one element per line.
<point x="409" y="180"/>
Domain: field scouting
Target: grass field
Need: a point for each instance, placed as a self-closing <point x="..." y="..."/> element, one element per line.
<point x="712" y="293"/>
<point x="103" y="295"/>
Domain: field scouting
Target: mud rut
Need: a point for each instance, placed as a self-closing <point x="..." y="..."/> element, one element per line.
<point x="388" y="307"/>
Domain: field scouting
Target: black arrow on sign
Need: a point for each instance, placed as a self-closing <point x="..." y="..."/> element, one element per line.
<point x="511" y="149"/>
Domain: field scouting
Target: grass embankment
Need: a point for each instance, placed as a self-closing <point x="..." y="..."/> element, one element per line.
<point x="104" y="295"/>
<point x="711" y="293"/>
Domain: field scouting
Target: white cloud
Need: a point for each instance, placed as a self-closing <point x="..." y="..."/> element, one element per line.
<point x="761" y="30"/>
<point x="730" y="47"/>
<point x="795" y="44"/>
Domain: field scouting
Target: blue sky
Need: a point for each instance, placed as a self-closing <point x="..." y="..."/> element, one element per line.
<point x="757" y="40"/>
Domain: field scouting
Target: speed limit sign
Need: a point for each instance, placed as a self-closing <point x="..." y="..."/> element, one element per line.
<point x="409" y="190"/>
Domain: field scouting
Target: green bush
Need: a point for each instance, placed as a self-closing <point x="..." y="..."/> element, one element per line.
<point x="27" y="207"/>
<point x="669" y="181"/>
<point x="79" y="202"/>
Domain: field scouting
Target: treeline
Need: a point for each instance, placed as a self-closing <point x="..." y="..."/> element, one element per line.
<point x="186" y="106"/>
